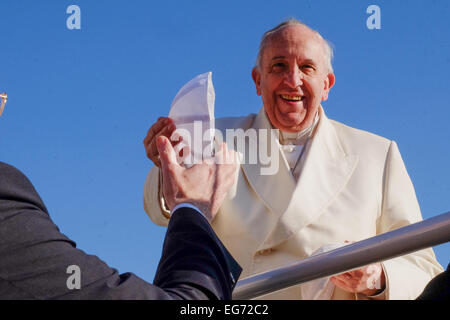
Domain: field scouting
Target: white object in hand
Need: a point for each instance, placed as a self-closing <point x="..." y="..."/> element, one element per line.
<point x="193" y="113"/>
<point x="3" y="98"/>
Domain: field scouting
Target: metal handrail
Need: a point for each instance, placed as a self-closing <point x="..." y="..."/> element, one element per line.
<point x="385" y="246"/>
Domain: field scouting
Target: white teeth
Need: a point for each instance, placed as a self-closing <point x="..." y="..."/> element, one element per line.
<point x="291" y="98"/>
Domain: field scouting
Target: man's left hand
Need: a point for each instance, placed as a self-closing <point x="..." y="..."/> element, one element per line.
<point x="369" y="280"/>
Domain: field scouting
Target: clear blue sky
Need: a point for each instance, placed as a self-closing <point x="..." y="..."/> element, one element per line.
<point x="81" y="101"/>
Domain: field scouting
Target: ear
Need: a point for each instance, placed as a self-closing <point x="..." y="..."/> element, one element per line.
<point x="256" y="75"/>
<point x="328" y="84"/>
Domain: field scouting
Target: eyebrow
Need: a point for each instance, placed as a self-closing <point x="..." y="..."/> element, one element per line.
<point x="308" y="61"/>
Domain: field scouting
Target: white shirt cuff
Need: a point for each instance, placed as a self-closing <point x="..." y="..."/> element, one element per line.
<point x="187" y="205"/>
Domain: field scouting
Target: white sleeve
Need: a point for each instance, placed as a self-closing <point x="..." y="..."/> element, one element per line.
<point x="406" y="276"/>
<point x="154" y="204"/>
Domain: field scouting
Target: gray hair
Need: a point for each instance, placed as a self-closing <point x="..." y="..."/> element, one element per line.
<point x="327" y="46"/>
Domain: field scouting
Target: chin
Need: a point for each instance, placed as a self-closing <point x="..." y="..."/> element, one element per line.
<point x="291" y="129"/>
<point x="295" y="127"/>
<point x="292" y="125"/>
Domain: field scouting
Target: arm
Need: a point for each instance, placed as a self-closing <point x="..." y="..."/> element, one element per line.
<point x="154" y="204"/>
<point x="189" y="229"/>
<point x="35" y="256"/>
<point x="406" y="276"/>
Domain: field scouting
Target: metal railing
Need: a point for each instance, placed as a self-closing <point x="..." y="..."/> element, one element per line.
<point x="385" y="246"/>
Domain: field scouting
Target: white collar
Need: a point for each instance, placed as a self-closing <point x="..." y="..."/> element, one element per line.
<point x="298" y="138"/>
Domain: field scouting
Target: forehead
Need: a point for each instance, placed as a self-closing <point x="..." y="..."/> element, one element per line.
<point x="295" y="41"/>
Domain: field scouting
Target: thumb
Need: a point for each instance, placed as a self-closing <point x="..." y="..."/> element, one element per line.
<point x="166" y="153"/>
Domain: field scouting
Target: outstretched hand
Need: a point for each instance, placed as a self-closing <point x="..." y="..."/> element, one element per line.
<point x="204" y="185"/>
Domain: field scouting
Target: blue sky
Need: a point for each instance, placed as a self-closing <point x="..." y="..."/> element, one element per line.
<point x="81" y="101"/>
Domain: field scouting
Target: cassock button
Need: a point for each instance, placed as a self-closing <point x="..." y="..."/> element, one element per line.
<point x="288" y="148"/>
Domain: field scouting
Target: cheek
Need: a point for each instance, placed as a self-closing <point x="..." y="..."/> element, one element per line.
<point x="315" y="88"/>
<point x="269" y="86"/>
<point x="268" y="98"/>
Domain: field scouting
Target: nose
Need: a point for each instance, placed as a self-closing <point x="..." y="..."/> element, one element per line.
<point x="294" y="78"/>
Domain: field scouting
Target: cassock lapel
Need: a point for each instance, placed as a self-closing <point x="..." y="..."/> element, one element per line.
<point x="274" y="189"/>
<point x="325" y="170"/>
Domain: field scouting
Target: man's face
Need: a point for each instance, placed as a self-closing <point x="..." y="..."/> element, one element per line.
<point x="293" y="78"/>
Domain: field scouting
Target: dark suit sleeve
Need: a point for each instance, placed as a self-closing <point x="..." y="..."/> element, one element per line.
<point x="197" y="257"/>
<point x="35" y="256"/>
<point x="438" y="288"/>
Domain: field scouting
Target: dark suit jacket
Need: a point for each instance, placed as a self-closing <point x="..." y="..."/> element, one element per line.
<point x="438" y="288"/>
<point x="35" y="255"/>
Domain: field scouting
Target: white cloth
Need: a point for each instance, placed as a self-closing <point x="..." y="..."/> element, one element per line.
<point x="292" y="153"/>
<point x="293" y="144"/>
<point x="297" y="138"/>
<point x="193" y="113"/>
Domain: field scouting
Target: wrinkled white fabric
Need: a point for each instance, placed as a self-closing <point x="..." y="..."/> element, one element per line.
<point x="3" y="98"/>
<point x="323" y="288"/>
<point x="193" y="113"/>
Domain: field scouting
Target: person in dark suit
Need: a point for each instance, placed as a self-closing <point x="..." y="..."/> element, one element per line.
<point x="35" y="255"/>
<point x="438" y="288"/>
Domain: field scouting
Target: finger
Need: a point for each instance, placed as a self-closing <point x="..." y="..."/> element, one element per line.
<point x="349" y="281"/>
<point x="341" y="284"/>
<point x="225" y="156"/>
<point x="233" y="164"/>
<point x="346" y="275"/>
<point x="157" y="162"/>
<point x="358" y="273"/>
<point x="156" y="128"/>
<point x="167" y="154"/>
<point x="230" y="156"/>
<point x="153" y="156"/>
<point x="150" y="131"/>
<point x="165" y="131"/>
<point x="227" y="166"/>
<point x="344" y="278"/>
<point x="347" y="284"/>
<point x="220" y="153"/>
<point x="151" y="149"/>
<point x="155" y="159"/>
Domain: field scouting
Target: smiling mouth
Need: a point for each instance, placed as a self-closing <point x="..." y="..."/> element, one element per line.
<point x="291" y="98"/>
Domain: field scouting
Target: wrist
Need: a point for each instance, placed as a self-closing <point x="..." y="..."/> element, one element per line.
<point x="201" y="207"/>
<point x="373" y="292"/>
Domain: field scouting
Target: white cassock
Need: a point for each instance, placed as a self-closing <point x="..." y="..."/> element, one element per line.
<point x="348" y="185"/>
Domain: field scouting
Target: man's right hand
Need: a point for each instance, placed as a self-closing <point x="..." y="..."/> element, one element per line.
<point x="163" y="127"/>
<point x="204" y="185"/>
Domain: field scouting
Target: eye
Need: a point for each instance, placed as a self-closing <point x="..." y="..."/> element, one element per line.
<point x="279" y="66"/>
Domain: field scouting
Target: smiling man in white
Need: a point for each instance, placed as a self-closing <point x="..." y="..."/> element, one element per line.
<point x="334" y="184"/>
